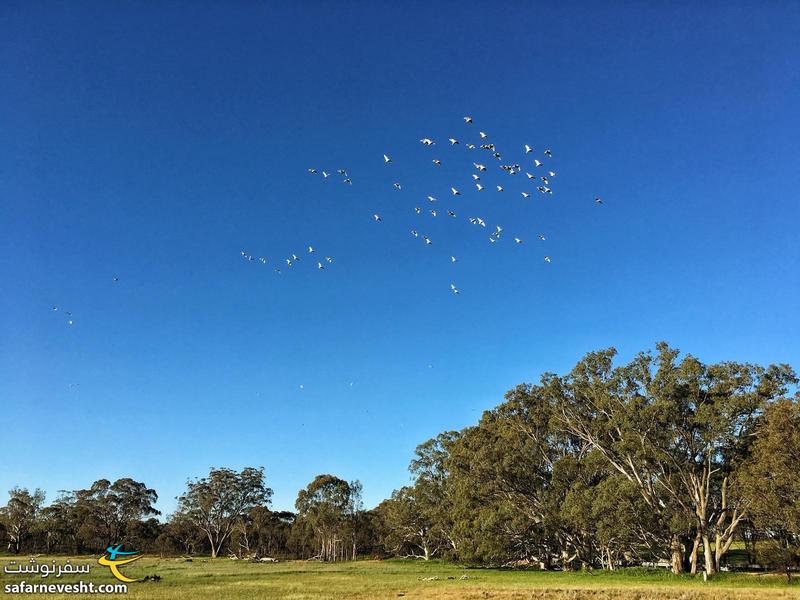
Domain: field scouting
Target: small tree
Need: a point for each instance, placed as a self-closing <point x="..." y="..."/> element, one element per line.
<point x="330" y="505"/>
<point x="20" y="514"/>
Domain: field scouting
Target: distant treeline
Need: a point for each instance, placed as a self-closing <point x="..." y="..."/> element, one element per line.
<point x="664" y="459"/>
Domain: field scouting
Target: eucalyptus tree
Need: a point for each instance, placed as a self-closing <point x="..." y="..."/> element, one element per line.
<point x="20" y="514"/>
<point x="503" y="467"/>
<point x="57" y="524"/>
<point x="105" y="511"/>
<point x="769" y="484"/>
<point x="216" y="504"/>
<point x="408" y="526"/>
<point x="433" y="489"/>
<point x="329" y="506"/>
<point x="676" y="429"/>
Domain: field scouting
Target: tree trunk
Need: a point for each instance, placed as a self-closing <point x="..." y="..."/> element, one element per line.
<point x="695" y="550"/>
<point x="677" y="555"/>
<point x="708" y="556"/>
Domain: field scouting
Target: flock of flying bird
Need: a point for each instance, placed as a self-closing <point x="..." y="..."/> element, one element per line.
<point x="290" y="261"/>
<point x="537" y="174"/>
<point x="542" y="177"/>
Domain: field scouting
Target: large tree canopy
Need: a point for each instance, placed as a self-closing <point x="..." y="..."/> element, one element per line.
<point x="216" y="503"/>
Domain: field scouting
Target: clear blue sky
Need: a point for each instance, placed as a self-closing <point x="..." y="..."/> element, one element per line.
<point x="154" y="141"/>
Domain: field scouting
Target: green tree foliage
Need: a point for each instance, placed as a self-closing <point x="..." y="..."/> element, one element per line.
<point x="417" y="520"/>
<point x="328" y="508"/>
<point x="58" y="526"/>
<point x="263" y="533"/>
<point x="604" y="466"/>
<point x="104" y="512"/>
<point x="663" y="460"/>
<point x="408" y="527"/>
<point x="769" y="485"/>
<point x="216" y="504"/>
<point x="677" y="429"/>
<point x="19" y="516"/>
<point x="180" y="536"/>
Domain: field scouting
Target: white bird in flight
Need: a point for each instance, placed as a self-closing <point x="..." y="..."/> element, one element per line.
<point x="454" y="288"/>
<point x="427" y="142"/>
<point x="377" y="218"/>
<point x="467" y="119"/>
<point x="437" y="162"/>
<point x="386" y="159"/>
<point x="453" y="141"/>
<point x="479" y="186"/>
<point x="455" y="191"/>
<point x="483" y="135"/>
<point x="528" y="149"/>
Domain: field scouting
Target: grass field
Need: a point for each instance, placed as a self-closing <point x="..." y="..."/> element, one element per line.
<point x="204" y="578"/>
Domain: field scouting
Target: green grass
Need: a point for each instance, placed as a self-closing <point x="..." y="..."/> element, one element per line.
<point x="223" y="579"/>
